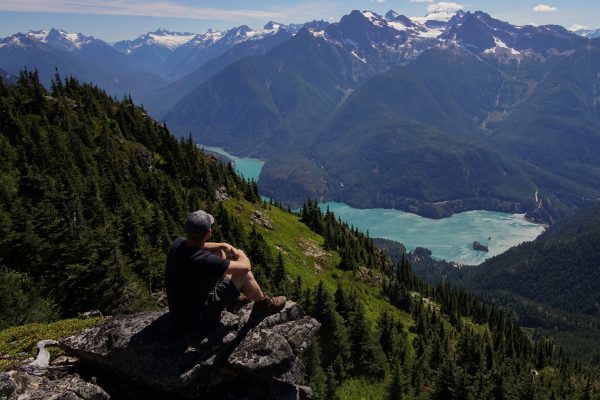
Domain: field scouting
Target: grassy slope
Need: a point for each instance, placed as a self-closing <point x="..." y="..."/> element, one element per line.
<point x="304" y="256"/>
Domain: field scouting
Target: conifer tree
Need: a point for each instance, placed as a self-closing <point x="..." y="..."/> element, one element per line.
<point x="332" y="383"/>
<point x="314" y="375"/>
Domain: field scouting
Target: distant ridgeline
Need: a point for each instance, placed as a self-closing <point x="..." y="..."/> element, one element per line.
<point x="93" y="191"/>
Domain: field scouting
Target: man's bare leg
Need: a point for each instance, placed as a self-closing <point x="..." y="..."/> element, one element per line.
<point x="246" y="284"/>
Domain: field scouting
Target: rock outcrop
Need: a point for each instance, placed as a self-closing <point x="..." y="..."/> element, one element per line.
<point x="480" y="247"/>
<point x="243" y="358"/>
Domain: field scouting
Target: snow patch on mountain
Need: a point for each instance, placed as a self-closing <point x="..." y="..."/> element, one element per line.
<point x="501" y="47"/>
<point x="170" y="40"/>
<point x="269" y="29"/>
<point x="439" y="16"/>
<point x="375" y="19"/>
<point x="431" y="32"/>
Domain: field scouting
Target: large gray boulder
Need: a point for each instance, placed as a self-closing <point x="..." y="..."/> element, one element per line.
<point x="243" y="358"/>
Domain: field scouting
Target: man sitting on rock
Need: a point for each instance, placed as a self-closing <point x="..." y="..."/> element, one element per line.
<point x="201" y="281"/>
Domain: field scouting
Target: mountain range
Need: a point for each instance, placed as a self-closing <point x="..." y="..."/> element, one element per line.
<point x="435" y="114"/>
<point x="433" y="118"/>
<point x="141" y="66"/>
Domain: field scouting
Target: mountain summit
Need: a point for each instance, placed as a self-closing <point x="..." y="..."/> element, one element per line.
<point x="56" y="38"/>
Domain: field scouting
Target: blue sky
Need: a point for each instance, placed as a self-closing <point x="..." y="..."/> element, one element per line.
<point x="113" y="20"/>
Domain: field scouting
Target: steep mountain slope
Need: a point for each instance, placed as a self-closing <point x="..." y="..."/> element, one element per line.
<point x="421" y="138"/>
<point x="92" y="192"/>
<point x="410" y="136"/>
<point x="562" y="135"/>
<point x="165" y="98"/>
<point x="274" y="96"/>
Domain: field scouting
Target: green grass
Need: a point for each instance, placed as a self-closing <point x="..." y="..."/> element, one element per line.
<point x="362" y="389"/>
<point x="19" y="342"/>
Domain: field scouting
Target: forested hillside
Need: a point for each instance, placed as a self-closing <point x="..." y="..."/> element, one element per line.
<point x="551" y="283"/>
<point x="93" y="191"/>
<point x="560" y="269"/>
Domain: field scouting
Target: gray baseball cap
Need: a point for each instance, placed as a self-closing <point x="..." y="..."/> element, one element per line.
<point x="199" y="222"/>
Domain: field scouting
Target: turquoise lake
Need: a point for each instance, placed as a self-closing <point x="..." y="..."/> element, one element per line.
<point x="448" y="238"/>
<point x="249" y="168"/>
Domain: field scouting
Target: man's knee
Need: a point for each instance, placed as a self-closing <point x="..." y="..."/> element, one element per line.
<point x="240" y="280"/>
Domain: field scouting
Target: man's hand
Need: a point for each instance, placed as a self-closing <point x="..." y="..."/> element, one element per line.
<point x="236" y="254"/>
<point x="218" y="248"/>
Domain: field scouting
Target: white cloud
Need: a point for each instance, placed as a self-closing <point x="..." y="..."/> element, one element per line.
<point x="544" y="8"/>
<point x="421" y="1"/>
<point x="443" y="6"/>
<point x="159" y="8"/>
<point x="578" y="27"/>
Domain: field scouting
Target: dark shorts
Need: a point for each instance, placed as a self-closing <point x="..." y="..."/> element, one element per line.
<point x="224" y="294"/>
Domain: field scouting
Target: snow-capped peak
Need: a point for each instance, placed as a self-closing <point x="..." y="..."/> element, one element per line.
<point x="438" y="16"/>
<point x="54" y="37"/>
<point x="170" y="40"/>
<point x="160" y="37"/>
<point x="205" y="39"/>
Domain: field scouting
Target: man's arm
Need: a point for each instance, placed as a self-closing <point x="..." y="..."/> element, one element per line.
<point x="216" y="248"/>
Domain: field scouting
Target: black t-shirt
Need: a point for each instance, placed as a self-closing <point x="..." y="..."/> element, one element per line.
<point x="191" y="274"/>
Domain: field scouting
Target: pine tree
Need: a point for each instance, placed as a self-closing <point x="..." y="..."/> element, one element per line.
<point x="314" y="375"/>
<point x="367" y="356"/>
<point x="396" y="388"/>
<point x="332" y="383"/>
<point x="278" y="278"/>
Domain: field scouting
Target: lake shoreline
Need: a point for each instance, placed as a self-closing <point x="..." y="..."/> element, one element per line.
<point x="449" y="238"/>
